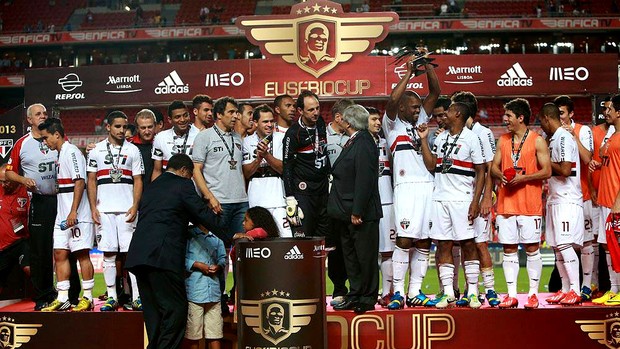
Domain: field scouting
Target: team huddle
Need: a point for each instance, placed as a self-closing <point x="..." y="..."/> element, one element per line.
<point x="436" y="186"/>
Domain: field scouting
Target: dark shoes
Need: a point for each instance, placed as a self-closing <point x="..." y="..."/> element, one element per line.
<point x="356" y="306"/>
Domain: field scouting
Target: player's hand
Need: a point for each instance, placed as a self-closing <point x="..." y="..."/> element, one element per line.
<point x="30" y="184"/>
<point x="215" y="205"/>
<point x="594" y="165"/>
<point x="96" y="216"/>
<point x="294" y="214"/>
<point x="486" y="204"/>
<point x="594" y="197"/>
<point x="131" y="214"/>
<point x="72" y="219"/>
<point x="569" y="128"/>
<point x="518" y="180"/>
<point x="423" y="131"/>
<point x="262" y="149"/>
<point x="90" y="147"/>
<point x="356" y="220"/>
<point x="439" y="131"/>
<point x="213" y="269"/>
<point x="473" y="212"/>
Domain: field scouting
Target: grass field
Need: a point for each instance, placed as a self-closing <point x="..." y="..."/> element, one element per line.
<point x="430" y="285"/>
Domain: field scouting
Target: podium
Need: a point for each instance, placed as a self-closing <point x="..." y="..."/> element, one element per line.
<point x="281" y="293"/>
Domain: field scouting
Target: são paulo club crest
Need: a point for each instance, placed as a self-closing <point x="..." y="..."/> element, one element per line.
<point x="317" y="35"/>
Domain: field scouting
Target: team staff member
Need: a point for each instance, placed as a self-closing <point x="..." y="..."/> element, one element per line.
<point x="262" y="167"/>
<point x="355" y="213"/>
<point x="305" y="170"/>
<point x="520" y="165"/>
<point x="78" y="236"/>
<point x="32" y="165"/>
<point x="14" y="204"/>
<point x="157" y="251"/>
<point x="145" y="124"/>
<point x="178" y="139"/>
<point x="114" y="189"/>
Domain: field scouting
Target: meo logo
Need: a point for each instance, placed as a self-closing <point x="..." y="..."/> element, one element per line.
<point x="257" y="252"/>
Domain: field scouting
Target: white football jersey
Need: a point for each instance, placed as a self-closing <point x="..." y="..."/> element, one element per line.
<point x="115" y="195"/>
<point x="71" y="167"/>
<point x="565" y="190"/>
<point x="167" y="143"/>
<point x="266" y="187"/>
<point x="455" y="174"/>
<point x="405" y="147"/>
<point x="488" y="140"/>
<point x="386" y="191"/>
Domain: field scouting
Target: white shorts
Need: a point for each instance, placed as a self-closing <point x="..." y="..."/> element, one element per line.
<point x="596" y="221"/>
<point x="279" y="215"/>
<point x="204" y="321"/>
<point x="450" y="222"/>
<point x="387" y="230"/>
<point x="412" y="209"/>
<point x="114" y="233"/>
<point x="564" y="224"/>
<point x="513" y="230"/>
<point x="588" y="229"/>
<point x="602" y="221"/>
<point x="79" y="237"/>
<point x="481" y="227"/>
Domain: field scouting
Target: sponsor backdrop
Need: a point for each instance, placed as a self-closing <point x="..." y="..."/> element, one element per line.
<point x="281" y="294"/>
<point x="484" y="75"/>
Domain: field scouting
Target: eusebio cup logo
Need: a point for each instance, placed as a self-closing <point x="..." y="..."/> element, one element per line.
<point x="605" y="332"/>
<point x="317" y="35"/>
<point x="14" y="335"/>
<point x="276" y="316"/>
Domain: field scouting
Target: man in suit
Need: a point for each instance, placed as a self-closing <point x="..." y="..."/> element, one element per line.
<point x="355" y="207"/>
<point x="157" y="251"/>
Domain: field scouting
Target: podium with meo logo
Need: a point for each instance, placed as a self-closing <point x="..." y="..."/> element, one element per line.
<point x="281" y="293"/>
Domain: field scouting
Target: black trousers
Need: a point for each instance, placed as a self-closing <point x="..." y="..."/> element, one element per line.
<point x="336" y="269"/>
<point x="41" y="228"/>
<point x="360" y="248"/>
<point x="316" y="221"/>
<point x="164" y="303"/>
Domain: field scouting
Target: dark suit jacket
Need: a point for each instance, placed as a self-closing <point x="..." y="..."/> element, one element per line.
<point x="355" y="188"/>
<point x="167" y="206"/>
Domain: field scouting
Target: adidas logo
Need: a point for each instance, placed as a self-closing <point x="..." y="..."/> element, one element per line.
<point x="515" y="76"/>
<point x="172" y="84"/>
<point x="294" y="253"/>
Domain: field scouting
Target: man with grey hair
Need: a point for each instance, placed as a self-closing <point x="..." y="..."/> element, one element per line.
<point x="356" y="213"/>
<point x="32" y="164"/>
<point x="145" y="124"/>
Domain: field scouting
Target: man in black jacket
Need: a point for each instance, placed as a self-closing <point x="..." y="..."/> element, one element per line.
<point x="157" y="251"/>
<point x="355" y="207"/>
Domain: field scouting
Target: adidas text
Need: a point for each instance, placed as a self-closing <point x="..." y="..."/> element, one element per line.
<point x="515" y="82"/>
<point x="166" y="90"/>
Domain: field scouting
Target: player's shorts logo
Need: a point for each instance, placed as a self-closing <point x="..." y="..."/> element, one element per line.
<point x="405" y="223"/>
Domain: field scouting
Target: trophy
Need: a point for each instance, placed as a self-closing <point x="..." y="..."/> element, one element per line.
<point x="420" y="59"/>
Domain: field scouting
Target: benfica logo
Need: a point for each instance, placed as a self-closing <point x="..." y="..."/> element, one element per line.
<point x="317" y="35"/>
<point x="605" y="332"/>
<point x="5" y="147"/>
<point x="275" y="318"/>
<point x="13" y="335"/>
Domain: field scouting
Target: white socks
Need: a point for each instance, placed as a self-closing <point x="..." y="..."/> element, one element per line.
<point x="63" y="290"/>
<point x="571" y="267"/>
<point x="87" y="286"/>
<point x="587" y="263"/>
<point x="386" y="275"/>
<point x="419" y="266"/>
<point x="472" y="272"/>
<point x="446" y="275"/>
<point x="534" y="267"/>
<point x="109" y="275"/>
<point x="400" y="264"/>
<point x="511" y="272"/>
